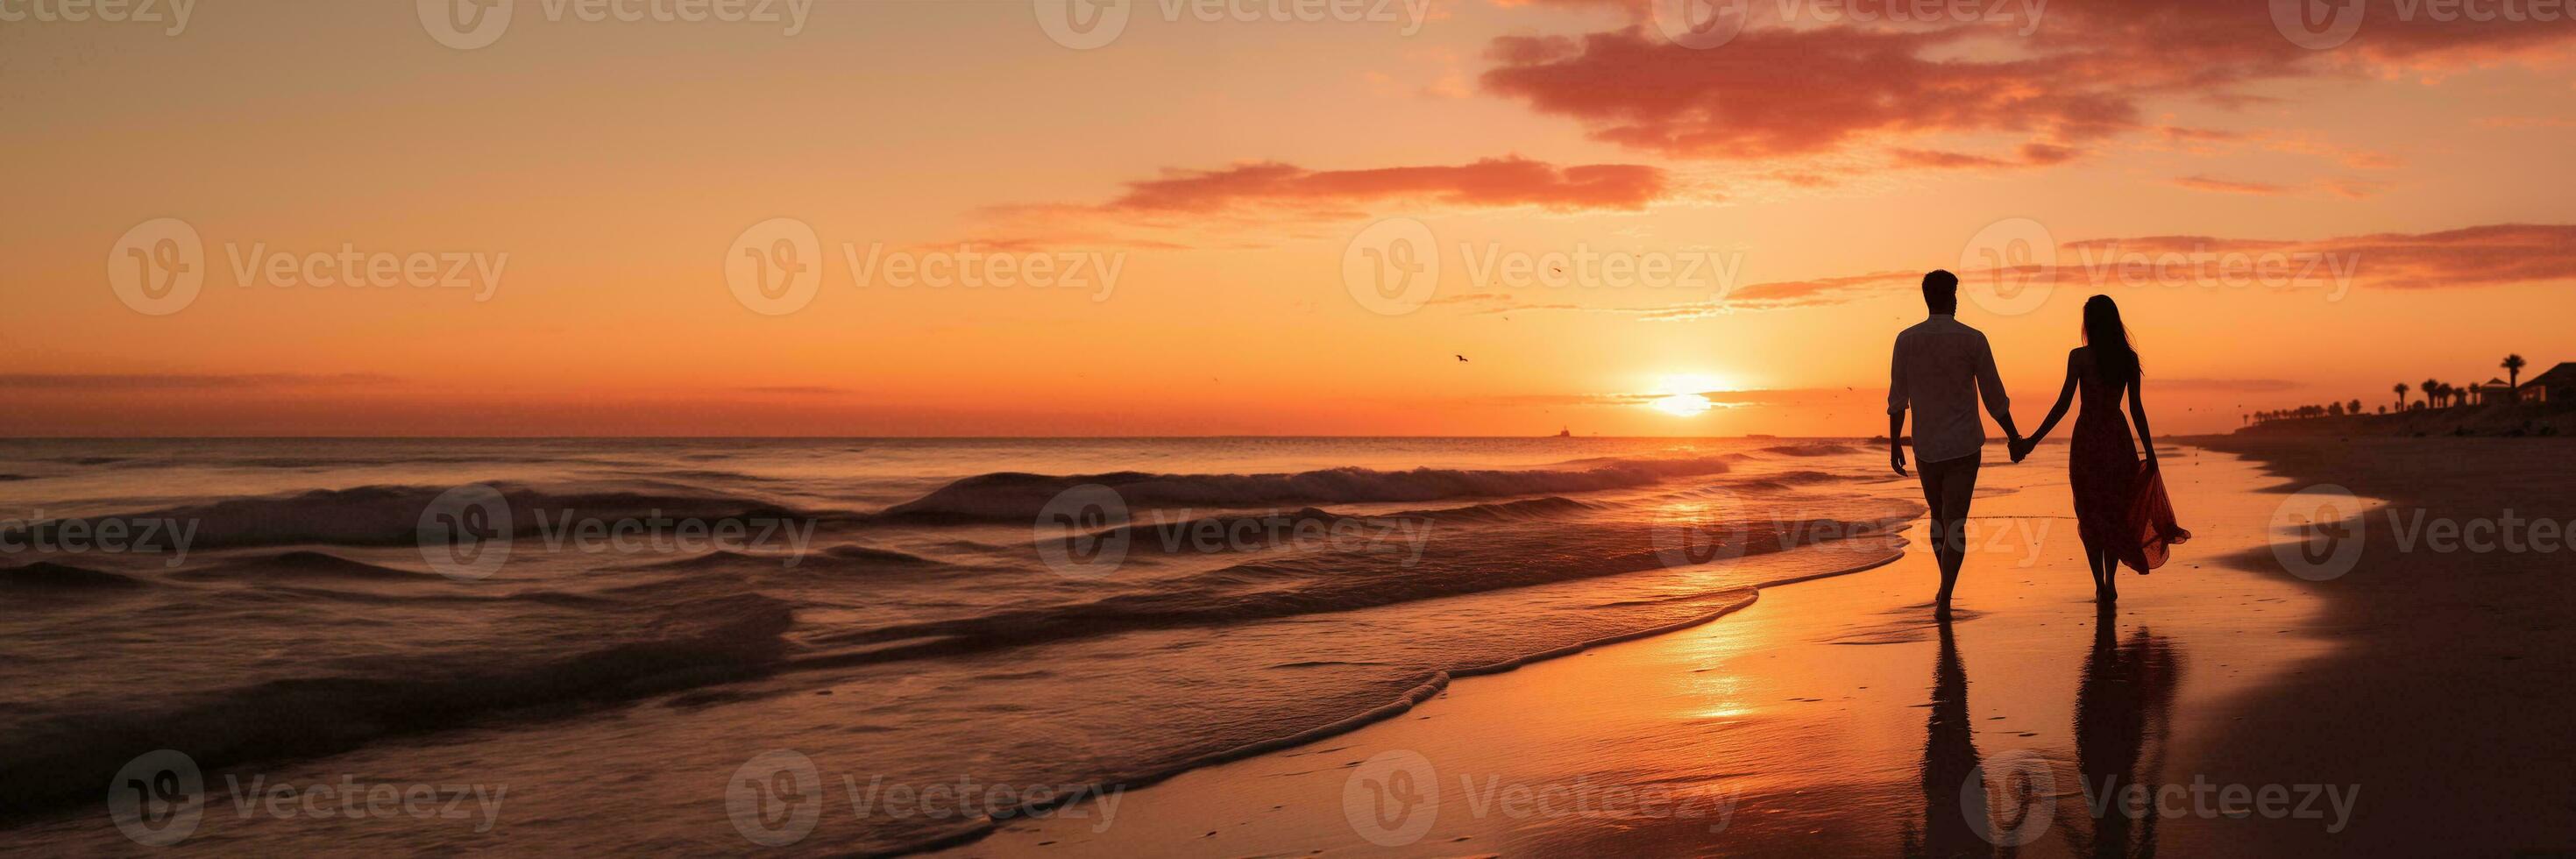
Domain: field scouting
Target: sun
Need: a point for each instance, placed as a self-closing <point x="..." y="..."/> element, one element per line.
<point x="1681" y="395"/>
<point x="1682" y="405"/>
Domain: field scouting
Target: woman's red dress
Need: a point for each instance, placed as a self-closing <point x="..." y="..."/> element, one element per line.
<point x="2120" y="504"/>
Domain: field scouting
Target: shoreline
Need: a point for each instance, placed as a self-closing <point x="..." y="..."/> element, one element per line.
<point x="1631" y="716"/>
<point x="1438" y="685"/>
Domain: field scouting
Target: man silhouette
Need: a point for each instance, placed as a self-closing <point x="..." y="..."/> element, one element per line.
<point x="1942" y="369"/>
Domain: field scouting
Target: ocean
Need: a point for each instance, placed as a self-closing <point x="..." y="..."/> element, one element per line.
<point x="604" y="638"/>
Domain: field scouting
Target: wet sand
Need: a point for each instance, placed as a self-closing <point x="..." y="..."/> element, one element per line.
<point x="1837" y="716"/>
<point x="2450" y="697"/>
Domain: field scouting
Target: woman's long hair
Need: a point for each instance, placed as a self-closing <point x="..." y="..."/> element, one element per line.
<point x="2113" y="354"/>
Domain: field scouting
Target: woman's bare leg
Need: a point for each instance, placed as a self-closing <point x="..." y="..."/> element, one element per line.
<point x="2101" y="578"/>
<point x="2110" y="566"/>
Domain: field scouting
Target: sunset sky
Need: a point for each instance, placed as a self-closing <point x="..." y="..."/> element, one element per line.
<point x="2407" y="192"/>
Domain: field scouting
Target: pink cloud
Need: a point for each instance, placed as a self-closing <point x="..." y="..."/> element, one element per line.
<point x="1774" y="92"/>
<point x="2231" y="186"/>
<point x="2086" y="72"/>
<point x="1269" y="195"/>
<point x="2481" y="256"/>
<point x="1493" y="182"/>
<point x="2470" y="257"/>
<point x="2031" y="155"/>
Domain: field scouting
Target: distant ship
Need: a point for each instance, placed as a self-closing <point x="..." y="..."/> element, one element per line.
<point x="1567" y="432"/>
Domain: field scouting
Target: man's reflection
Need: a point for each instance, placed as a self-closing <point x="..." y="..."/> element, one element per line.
<point x="1949" y="760"/>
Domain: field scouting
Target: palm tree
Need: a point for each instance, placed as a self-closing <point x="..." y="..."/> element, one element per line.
<point x="2513" y="365"/>
<point x="2401" y="389"/>
<point x="2432" y="389"/>
<point x="2352" y="408"/>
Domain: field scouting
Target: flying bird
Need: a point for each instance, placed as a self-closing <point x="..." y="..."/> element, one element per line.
<point x="1462" y="359"/>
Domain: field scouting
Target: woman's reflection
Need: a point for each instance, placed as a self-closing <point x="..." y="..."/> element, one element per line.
<point x="2124" y="703"/>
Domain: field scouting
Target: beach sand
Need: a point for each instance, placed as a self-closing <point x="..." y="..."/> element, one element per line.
<point x="2448" y="695"/>
<point x="1835" y="716"/>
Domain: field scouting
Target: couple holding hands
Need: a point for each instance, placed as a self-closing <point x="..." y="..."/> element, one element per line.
<point x="1944" y="369"/>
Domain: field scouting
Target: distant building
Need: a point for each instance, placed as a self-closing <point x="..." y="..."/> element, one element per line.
<point x="2494" y="391"/>
<point x="2556" y="386"/>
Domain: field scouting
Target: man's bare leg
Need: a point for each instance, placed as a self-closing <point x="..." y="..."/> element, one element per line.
<point x="1948" y="488"/>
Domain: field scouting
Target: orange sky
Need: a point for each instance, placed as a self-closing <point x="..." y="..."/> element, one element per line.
<point x="2283" y="225"/>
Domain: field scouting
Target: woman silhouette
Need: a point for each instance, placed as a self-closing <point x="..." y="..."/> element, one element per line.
<point x="2120" y="505"/>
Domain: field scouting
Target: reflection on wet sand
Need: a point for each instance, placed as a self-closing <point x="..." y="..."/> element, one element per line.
<point x="1949" y="761"/>
<point x="2124" y="706"/>
<point x="2123" y="709"/>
